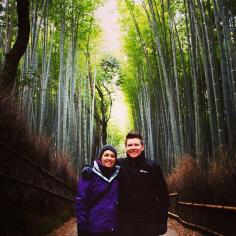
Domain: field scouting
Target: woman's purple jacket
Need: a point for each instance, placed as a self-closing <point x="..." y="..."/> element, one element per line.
<point x="97" y="201"/>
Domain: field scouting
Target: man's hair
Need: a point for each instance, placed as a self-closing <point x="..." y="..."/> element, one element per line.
<point x="133" y="134"/>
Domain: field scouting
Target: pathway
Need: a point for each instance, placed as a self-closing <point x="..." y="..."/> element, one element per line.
<point x="174" y="229"/>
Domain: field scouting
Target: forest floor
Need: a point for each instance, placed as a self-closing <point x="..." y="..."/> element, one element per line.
<point x="174" y="229"/>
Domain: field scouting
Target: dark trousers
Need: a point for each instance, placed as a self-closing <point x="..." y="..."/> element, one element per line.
<point x="138" y="230"/>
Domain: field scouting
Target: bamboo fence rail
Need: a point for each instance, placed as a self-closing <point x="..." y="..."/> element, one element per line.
<point x="16" y="168"/>
<point x="35" y="186"/>
<point x="179" y="212"/>
<point x="230" y="208"/>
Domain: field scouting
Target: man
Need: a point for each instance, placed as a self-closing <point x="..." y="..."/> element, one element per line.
<point x="144" y="198"/>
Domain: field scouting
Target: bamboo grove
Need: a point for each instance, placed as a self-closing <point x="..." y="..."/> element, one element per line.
<point x="55" y="85"/>
<point x="180" y="76"/>
<point x="177" y="73"/>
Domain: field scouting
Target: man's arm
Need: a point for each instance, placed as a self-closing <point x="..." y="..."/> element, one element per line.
<point x="163" y="203"/>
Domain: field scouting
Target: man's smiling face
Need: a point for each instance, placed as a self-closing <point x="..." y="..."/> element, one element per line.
<point x="134" y="147"/>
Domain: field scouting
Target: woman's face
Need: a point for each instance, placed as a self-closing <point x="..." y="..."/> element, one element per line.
<point x="108" y="159"/>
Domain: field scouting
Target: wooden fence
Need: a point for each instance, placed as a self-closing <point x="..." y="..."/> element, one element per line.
<point x="32" y="199"/>
<point x="21" y="171"/>
<point x="212" y="219"/>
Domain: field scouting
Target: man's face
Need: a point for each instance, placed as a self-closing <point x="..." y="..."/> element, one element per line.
<point x="134" y="147"/>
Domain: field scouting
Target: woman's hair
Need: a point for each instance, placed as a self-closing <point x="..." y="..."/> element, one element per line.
<point x="133" y="134"/>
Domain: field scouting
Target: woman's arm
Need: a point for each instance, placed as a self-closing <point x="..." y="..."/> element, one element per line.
<point x="82" y="198"/>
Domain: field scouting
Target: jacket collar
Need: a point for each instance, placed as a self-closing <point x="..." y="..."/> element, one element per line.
<point x="97" y="171"/>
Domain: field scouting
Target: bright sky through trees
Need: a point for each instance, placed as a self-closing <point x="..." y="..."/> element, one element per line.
<point x="138" y="1"/>
<point x="108" y="16"/>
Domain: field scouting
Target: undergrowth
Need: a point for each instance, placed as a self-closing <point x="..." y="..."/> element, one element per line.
<point x="27" y="211"/>
<point x="214" y="184"/>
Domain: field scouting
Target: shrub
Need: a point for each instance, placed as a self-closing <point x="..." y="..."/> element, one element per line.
<point x="215" y="184"/>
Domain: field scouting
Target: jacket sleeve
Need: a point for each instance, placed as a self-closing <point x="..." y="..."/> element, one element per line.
<point x="163" y="200"/>
<point x="82" y="198"/>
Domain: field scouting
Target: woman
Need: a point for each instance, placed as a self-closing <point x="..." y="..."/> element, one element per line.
<point x="97" y="198"/>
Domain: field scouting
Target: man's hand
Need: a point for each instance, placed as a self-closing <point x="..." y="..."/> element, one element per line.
<point x="162" y="229"/>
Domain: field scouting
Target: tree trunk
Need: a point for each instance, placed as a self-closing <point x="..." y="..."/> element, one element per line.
<point x="8" y="74"/>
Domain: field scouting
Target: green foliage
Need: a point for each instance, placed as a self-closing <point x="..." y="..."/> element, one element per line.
<point x="116" y="138"/>
<point x="106" y="79"/>
<point x="176" y="56"/>
<point x="231" y="6"/>
<point x="164" y="44"/>
<point x="109" y="69"/>
<point x="8" y="26"/>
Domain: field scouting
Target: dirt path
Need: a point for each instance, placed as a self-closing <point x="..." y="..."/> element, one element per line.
<point x="179" y="230"/>
<point x="174" y="229"/>
<point x="67" y="229"/>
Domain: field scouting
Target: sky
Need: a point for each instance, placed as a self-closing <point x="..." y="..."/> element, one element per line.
<point x="108" y="18"/>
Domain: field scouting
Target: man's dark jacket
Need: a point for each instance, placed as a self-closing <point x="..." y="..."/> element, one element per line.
<point x="144" y="197"/>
